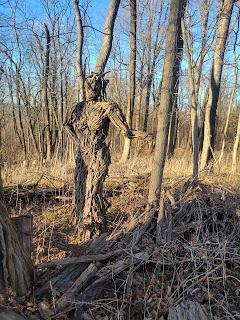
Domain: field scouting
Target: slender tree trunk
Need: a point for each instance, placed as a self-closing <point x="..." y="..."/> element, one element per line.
<point x="80" y="37"/>
<point x="149" y="75"/>
<point x="236" y="147"/>
<point x="132" y="74"/>
<point x="22" y="133"/>
<point x="46" y="101"/>
<point x="15" y="126"/>
<point x="225" y="13"/>
<point x="167" y="90"/>
<point x="108" y="36"/>
<point x="194" y="117"/>
<point x="138" y="107"/>
<point x="173" y="117"/>
<point x="229" y="108"/>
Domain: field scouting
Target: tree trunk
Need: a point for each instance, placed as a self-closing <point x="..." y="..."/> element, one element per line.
<point x="167" y="90"/>
<point x="79" y="65"/>
<point x="132" y="75"/>
<point x="15" y="266"/>
<point x="236" y="147"/>
<point x="22" y="133"/>
<point x="229" y="108"/>
<point x="138" y="106"/>
<point x="108" y="36"/>
<point x="225" y="13"/>
<point x="174" y="121"/>
<point x="46" y="102"/>
<point x="194" y="117"/>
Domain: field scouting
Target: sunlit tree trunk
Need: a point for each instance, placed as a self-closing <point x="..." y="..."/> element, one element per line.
<point x="167" y="90"/>
<point x="225" y="13"/>
<point x="236" y="147"/>
<point x="229" y="107"/>
<point x="46" y="100"/>
<point x="132" y="76"/>
<point x="107" y="37"/>
<point x="193" y="101"/>
<point x="79" y="65"/>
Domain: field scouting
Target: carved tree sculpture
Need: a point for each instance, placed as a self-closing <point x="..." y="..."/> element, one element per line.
<point x="88" y="125"/>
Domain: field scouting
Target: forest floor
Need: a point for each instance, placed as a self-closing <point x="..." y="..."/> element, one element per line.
<point x="148" y="264"/>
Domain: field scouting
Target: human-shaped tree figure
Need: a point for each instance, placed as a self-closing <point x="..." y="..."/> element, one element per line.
<point x="89" y="125"/>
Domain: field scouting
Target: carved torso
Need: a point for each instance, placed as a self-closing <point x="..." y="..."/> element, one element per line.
<point x="91" y="123"/>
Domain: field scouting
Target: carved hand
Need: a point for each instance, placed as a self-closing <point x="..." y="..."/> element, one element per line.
<point x="135" y="134"/>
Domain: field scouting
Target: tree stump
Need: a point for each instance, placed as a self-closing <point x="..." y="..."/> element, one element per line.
<point x="24" y="226"/>
<point x="15" y="266"/>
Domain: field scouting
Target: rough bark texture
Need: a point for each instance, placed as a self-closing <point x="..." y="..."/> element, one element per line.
<point x="225" y="13"/>
<point x="15" y="267"/>
<point x="165" y="102"/>
<point x="188" y="310"/>
<point x="108" y="36"/>
<point x="89" y="125"/>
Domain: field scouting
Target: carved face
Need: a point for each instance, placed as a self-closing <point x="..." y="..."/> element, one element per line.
<point x="95" y="87"/>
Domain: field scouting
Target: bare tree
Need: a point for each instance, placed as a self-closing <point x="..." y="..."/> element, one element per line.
<point x="132" y="76"/>
<point x="46" y="99"/>
<point x="229" y="107"/>
<point x="172" y="136"/>
<point x="107" y="37"/>
<point x="193" y="101"/>
<point x="225" y="13"/>
<point x="176" y="10"/>
<point x="80" y="37"/>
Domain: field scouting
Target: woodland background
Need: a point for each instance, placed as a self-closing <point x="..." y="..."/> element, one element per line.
<point x="39" y="78"/>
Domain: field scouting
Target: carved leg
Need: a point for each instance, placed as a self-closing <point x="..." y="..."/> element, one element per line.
<point x="80" y="184"/>
<point x="93" y="216"/>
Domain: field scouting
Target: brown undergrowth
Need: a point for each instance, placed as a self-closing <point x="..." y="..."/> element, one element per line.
<point x="148" y="263"/>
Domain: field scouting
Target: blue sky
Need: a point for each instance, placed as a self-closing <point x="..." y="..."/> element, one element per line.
<point x="97" y="11"/>
<point x="97" y="8"/>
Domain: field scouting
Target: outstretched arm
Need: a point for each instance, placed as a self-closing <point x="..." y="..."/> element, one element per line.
<point x="117" y="118"/>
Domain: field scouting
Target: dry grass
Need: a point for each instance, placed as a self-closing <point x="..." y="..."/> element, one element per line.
<point x="41" y="174"/>
<point x="58" y="174"/>
<point x="197" y="257"/>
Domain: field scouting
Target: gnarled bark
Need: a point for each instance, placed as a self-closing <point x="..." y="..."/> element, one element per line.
<point x="89" y="125"/>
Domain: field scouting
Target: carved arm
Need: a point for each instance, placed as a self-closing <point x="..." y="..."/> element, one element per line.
<point x="117" y="118"/>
